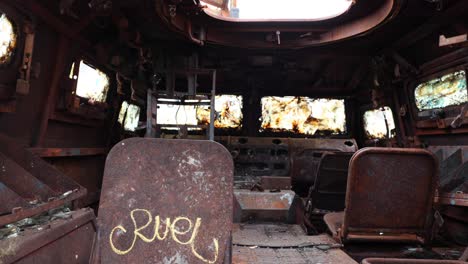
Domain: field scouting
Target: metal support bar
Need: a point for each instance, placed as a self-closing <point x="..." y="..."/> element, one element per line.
<point x="212" y="110"/>
<point x="149" y="114"/>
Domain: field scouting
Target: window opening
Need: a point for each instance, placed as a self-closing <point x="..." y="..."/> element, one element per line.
<point x="303" y="115"/>
<point x="379" y="123"/>
<point x="7" y="39"/>
<point x="447" y="90"/>
<point x="228" y="108"/>
<point x="129" y="116"/>
<point x="93" y="84"/>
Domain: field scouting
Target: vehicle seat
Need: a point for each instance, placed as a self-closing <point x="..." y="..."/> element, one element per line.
<point x="304" y="168"/>
<point x="389" y="197"/>
<point x="329" y="190"/>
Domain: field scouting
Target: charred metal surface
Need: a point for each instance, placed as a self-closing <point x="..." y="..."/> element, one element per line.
<point x="361" y="251"/>
<point x="263" y="206"/>
<point x="396" y="187"/>
<point x="455" y="227"/>
<point x="30" y="184"/>
<point x="269" y="156"/>
<point x="68" y="152"/>
<point x="247" y="255"/>
<point x="280" y="243"/>
<point x="258" y="157"/>
<point x="276" y="236"/>
<point x="66" y="240"/>
<point x="184" y="184"/>
<point x="453" y="162"/>
<point x="409" y="261"/>
<point x="275" y="183"/>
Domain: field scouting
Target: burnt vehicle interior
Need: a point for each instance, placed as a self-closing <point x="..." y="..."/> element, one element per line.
<point x="233" y="131"/>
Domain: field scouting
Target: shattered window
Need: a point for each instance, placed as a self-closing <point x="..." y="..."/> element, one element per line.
<point x="447" y="90"/>
<point x="92" y="84"/>
<point x="7" y="39"/>
<point x="129" y="116"/>
<point x="279" y="9"/>
<point x="378" y="123"/>
<point x="228" y="109"/>
<point x="303" y="115"/>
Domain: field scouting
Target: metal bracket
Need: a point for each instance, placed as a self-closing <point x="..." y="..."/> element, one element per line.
<point x="22" y="84"/>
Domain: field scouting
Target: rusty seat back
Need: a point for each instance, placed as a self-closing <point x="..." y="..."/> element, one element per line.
<point x="304" y="167"/>
<point x="166" y="201"/>
<point x="390" y="195"/>
<point x="329" y="190"/>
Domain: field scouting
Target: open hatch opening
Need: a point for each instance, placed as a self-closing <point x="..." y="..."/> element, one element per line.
<point x="277" y="10"/>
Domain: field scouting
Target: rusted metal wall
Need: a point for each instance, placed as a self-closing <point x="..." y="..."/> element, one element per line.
<point x="25" y="123"/>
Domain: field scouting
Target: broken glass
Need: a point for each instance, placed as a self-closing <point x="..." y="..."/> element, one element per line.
<point x="379" y="123"/>
<point x="445" y="91"/>
<point x="303" y="115"/>
<point x="92" y="84"/>
<point x="7" y="39"/>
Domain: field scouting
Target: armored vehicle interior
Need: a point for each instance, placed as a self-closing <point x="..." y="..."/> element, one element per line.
<point x="233" y="131"/>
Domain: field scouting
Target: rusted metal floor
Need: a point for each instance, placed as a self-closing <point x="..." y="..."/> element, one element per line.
<point x="288" y="244"/>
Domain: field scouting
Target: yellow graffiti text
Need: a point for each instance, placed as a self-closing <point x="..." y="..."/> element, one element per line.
<point x="173" y="228"/>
